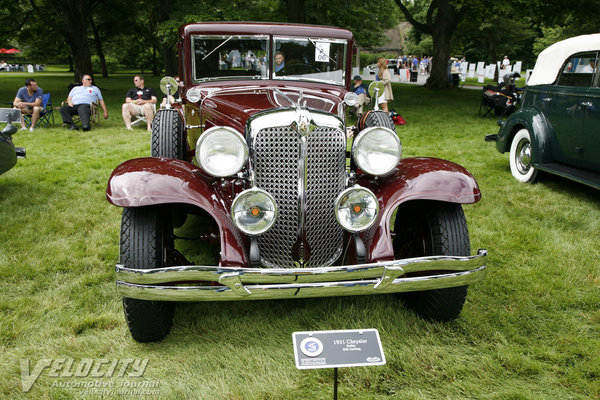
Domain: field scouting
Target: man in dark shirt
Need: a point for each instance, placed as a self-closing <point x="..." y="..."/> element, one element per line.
<point x="139" y="101"/>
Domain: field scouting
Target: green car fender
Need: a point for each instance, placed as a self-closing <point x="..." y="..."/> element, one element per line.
<point x="540" y="131"/>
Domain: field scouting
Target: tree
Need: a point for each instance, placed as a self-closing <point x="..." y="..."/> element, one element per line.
<point x="443" y="16"/>
<point x="70" y="17"/>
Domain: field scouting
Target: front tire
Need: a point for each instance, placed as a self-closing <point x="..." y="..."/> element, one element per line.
<point x="146" y="234"/>
<point x="521" y="166"/>
<point x="167" y="135"/>
<point x="427" y="229"/>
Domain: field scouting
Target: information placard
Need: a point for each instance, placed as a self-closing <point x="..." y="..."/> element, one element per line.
<point x="336" y="349"/>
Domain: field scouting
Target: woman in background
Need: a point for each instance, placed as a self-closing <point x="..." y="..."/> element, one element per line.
<point x="384" y="76"/>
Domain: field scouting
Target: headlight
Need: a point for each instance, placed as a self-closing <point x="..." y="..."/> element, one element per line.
<point x="356" y="209"/>
<point x="350" y="99"/>
<point x="377" y="150"/>
<point x="193" y="95"/>
<point x="254" y="211"/>
<point x="221" y="151"/>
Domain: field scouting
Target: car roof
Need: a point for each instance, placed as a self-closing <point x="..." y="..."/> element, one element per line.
<point x="550" y="60"/>
<point x="265" y="28"/>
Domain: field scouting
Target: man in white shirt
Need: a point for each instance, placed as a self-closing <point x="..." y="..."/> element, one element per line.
<point x="80" y="101"/>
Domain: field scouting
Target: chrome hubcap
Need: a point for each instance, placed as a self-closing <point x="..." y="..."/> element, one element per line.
<point x="523" y="156"/>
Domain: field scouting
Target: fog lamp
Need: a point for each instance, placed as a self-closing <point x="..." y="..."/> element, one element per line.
<point x="356" y="209"/>
<point x="254" y="211"/>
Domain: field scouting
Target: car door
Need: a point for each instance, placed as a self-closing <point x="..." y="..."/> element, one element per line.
<point x="566" y="108"/>
<point x="591" y="125"/>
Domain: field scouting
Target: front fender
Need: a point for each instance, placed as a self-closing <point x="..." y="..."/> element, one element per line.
<point x="418" y="179"/>
<point x="152" y="181"/>
<point x="539" y="129"/>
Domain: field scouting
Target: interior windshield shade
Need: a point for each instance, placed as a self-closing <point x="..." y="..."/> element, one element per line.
<point x="311" y="59"/>
<point x="230" y="56"/>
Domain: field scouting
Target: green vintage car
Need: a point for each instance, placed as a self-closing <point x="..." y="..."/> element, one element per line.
<point x="557" y="128"/>
<point x="8" y="152"/>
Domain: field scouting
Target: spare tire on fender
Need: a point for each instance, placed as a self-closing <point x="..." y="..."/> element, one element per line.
<point x="373" y="118"/>
<point x="168" y="135"/>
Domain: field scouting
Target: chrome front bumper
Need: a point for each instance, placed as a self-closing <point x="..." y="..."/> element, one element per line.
<point x="189" y="283"/>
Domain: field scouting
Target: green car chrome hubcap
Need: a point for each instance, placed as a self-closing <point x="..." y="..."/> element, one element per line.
<point x="523" y="156"/>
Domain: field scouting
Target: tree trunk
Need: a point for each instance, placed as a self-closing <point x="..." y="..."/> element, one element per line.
<point x="442" y="19"/>
<point x="295" y="11"/>
<point x="99" y="50"/>
<point x="439" y="65"/>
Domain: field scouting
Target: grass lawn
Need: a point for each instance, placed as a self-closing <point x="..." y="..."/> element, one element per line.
<point x="530" y="330"/>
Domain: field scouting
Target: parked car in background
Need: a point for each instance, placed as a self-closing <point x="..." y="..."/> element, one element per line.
<point x="254" y="162"/>
<point x="557" y="128"/>
<point x="8" y="152"/>
<point x="393" y="64"/>
<point x="373" y="68"/>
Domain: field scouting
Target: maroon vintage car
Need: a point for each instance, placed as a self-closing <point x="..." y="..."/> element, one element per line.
<point x="253" y="160"/>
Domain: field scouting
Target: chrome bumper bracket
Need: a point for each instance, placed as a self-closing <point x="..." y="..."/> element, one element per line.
<point x="389" y="274"/>
<point x="234" y="282"/>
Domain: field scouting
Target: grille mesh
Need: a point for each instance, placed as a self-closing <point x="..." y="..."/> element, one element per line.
<point x="275" y="160"/>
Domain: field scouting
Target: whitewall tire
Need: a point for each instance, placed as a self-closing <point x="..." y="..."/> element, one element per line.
<point x="520" y="158"/>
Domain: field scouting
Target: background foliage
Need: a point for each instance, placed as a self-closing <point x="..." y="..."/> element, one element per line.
<point x="141" y="34"/>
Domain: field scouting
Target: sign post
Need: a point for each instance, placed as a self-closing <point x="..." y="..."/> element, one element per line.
<point x="336" y="349"/>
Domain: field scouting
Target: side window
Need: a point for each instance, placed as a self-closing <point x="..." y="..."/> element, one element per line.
<point x="578" y="70"/>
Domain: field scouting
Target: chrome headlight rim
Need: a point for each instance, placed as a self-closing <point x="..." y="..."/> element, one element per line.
<point x="357" y="149"/>
<point x="337" y="208"/>
<point x="241" y="197"/>
<point x="232" y="133"/>
<point x="193" y="95"/>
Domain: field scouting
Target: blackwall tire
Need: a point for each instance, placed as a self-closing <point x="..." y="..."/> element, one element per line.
<point x="433" y="228"/>
<point x="145" y="236"/>
<point x="375" y="118"/>
<point x="520" y="158"/>
<point x="167" y="135"/>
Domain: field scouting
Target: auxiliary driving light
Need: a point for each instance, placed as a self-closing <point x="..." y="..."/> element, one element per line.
<point x="193" y="95"/>
<point x="356" y="209"/>
<point x="254" y="211"/>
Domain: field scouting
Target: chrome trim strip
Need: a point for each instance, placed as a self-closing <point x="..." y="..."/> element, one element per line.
<point x="306" y="290"/>
<point x="196" y="273"/>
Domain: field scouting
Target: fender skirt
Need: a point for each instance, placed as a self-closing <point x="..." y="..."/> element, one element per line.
<point x="152" y="181"/>
<point x="417" y="179"/>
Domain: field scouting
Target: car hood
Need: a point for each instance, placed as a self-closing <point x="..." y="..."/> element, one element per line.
<point x="232" y="105"/>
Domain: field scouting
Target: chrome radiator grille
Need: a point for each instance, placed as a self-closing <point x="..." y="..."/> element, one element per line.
<point x="275" y="160"/>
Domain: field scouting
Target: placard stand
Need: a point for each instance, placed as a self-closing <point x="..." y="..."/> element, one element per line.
<point x="335" y="380"/>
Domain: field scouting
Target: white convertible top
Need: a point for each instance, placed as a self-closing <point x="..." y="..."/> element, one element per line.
<point x="550" y="60"/>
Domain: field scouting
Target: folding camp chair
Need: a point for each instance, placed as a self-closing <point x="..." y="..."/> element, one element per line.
<point x="46" y="114"/>
<point x="138" y="119"/>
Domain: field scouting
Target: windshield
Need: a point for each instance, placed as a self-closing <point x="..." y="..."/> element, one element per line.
<point x="311" y="59"/>
<point x="230" y="57"/>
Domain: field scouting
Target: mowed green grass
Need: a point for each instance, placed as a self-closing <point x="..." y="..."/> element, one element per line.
<point x="530" y="330"/>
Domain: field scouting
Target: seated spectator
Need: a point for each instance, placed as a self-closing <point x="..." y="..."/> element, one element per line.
<point x="139" y="101"/>
<point x="29" y="101"/>
<point x="3" y="66"/>
<point x="589" y="68"/>
<point x="359" y="88"/>
<point x="80" y="102"/>
<point x="174" y="97"/>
